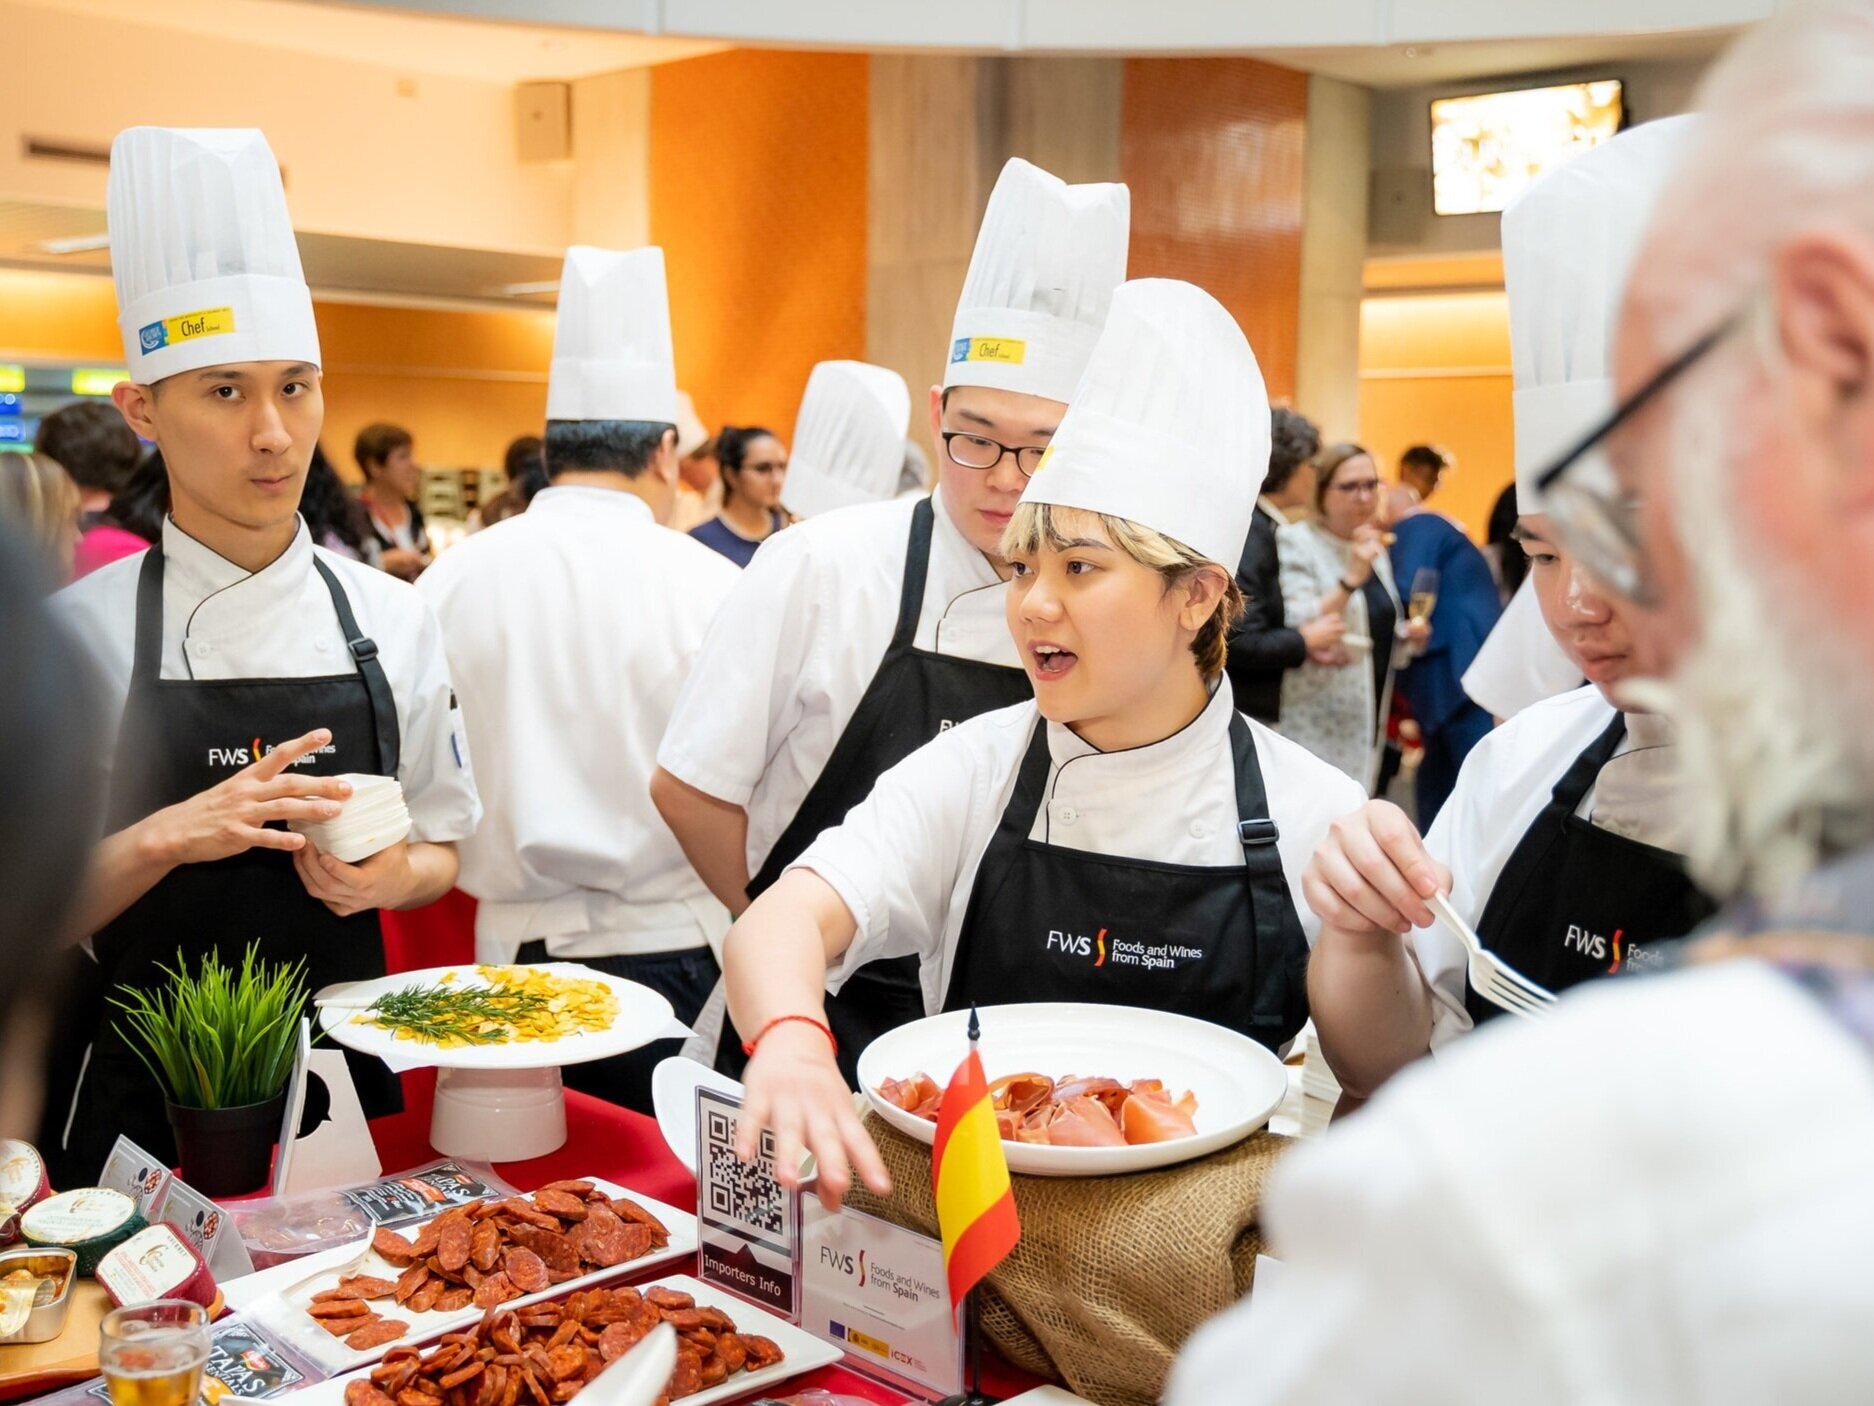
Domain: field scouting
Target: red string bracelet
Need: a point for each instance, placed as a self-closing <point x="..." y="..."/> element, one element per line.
<point x="748" y="1046"/>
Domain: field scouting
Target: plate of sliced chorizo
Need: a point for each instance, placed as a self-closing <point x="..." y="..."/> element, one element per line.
<point x="435" y="1276"/>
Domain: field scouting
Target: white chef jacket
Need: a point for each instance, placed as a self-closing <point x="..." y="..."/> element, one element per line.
<point x="1660" y="1195"/>
<point x="905" y="860"/>
<point x="791" y="652"/>
<point x="1504" y="785"/>
<point x="570" y="629"/>
<point x="221" y="622"/>
<point x="1520" y="662"/>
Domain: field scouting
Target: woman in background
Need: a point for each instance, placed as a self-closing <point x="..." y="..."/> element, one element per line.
<point x="386" y="456"/>
<point x="754" y="467"/>
<point x="1336" y="563"/>
<point x="336" y="520"/>
<point x="41" y="502"/>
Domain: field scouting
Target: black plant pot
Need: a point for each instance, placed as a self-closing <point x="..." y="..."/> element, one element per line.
<point x="227" y="1151"/>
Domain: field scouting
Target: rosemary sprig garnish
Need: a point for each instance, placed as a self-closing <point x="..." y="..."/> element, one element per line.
<point x="438" y="1013"/>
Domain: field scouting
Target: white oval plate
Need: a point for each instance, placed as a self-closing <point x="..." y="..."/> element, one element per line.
<point x="643" y="1016"/>
<point x="1238" y="1083"/>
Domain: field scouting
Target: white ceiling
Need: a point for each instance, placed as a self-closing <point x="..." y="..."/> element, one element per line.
<point x="336" y="265"/>
<point x="1411" y="65"/>
<point x="490" y="50"/>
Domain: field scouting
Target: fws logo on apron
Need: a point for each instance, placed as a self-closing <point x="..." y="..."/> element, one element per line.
<point x="1619" y="951"/>
<point x="1100" y="950"/>
<point x="233" y="757"/>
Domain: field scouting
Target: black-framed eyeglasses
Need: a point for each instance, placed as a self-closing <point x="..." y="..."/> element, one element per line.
<point x="1599" y="523"/>
<point x="974" y="451"/>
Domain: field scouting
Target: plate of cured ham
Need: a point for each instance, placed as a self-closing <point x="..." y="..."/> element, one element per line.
<point x="1083" y="1090"/>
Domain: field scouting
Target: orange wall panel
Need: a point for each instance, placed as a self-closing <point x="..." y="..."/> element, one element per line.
<point x="758" y="197"/>
<point x="1435" y="368"/>
<point x="1213" y="151"/>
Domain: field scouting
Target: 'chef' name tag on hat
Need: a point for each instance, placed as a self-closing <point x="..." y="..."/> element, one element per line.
<point x="209" y="322"/>
<point x="1010" y="351"/>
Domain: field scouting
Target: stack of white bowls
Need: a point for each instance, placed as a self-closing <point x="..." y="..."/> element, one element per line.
<point x="373" y="818"/>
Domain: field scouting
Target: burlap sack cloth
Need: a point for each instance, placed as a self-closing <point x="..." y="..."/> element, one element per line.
<point x="1112" y="1273"/>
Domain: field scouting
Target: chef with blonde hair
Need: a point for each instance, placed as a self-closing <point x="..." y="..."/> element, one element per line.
<point x="1126" y="837"/>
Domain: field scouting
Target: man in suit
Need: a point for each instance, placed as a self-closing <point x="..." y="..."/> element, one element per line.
<point x="1263" y="648"/>
<point x="1432" y="685"/>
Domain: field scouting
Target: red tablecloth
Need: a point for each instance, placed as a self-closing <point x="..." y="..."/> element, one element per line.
<point x="604" y="1140"/>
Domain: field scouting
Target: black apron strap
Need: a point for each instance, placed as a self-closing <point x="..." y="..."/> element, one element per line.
<point x="916" y="567"/>
<point x="1575" y="783"/>
<point x="376" y="683"/>
<point x="1262" y="860"/>
<point x="855" y="739"/>
<point x="1279" y="978"/>
<point x="147" y="655"/>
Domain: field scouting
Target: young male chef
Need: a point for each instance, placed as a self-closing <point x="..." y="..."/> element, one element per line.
<point x="860" y="635"/>
<point x="1559" y="844"/>
<point x="248" y="666"/>
<point x="848" y="438"/>
<point x="569" y="631"/>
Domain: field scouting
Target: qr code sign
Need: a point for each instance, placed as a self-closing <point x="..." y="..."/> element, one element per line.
<point x="742" y="1196"/>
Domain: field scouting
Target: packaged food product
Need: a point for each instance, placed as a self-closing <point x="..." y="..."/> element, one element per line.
<point x="157" y="1263"/>
<point x="89" y="1222"/>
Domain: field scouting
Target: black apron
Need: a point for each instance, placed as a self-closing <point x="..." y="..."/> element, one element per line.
<point x="1051" y="924"/>
<point x="180" y="737"/>
<point x="914" y="695"/>
<point x="1575" y="901"/>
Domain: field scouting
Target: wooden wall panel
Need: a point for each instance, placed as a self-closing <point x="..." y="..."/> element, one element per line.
<point x="1213" y="150"/>
<point x="758" y="197"/>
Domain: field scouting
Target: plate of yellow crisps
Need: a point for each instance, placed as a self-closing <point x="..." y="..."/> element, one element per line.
<point x="494" y="1017"/>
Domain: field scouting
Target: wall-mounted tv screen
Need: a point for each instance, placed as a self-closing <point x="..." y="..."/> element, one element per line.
<point x="1487" y="146"/>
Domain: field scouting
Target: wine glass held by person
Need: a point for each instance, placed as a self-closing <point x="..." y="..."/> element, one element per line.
<point x="1336" y="564"/>
<point x="1128" y="797"/>
<point x="754" y="471"/>
<point x="251" y="668"/>
<point x="860" y="634"/>
<point x="386" y="456"/>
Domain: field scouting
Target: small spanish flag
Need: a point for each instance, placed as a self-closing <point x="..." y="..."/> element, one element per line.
<point x="975" y="1204"/>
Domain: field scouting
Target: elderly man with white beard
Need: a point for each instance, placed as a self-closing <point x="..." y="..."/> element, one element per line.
<point x="1661" y="1193"/>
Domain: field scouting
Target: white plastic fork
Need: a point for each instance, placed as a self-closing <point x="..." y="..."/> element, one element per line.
<point x="1491" y="977"/>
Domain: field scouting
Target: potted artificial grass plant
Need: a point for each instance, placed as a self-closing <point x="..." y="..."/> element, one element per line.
<point x="221" y="1041"/>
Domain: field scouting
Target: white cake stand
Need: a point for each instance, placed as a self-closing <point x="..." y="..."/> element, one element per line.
<point x="496" y="1102"/>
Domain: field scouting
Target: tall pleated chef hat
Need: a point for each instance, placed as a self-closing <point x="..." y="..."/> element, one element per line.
<point x="612" y="358"/>
<point x="848" y="437"/>
<point x="1047" y="259"/>
<point x="1569" y="241"/>
<point x="202" y="253"/>
<point x="1169" y="426"/>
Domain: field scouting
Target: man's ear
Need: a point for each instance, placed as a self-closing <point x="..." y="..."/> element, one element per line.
<point x="665" y="463"/>
<point x="137" y="404"/>
<point x="1824" y="290"/>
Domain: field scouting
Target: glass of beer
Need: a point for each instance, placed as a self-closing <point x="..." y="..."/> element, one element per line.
<point x="153" y="1354"/>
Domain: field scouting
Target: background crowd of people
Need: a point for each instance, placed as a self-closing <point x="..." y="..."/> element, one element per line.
<point x="1334" y="557"/>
